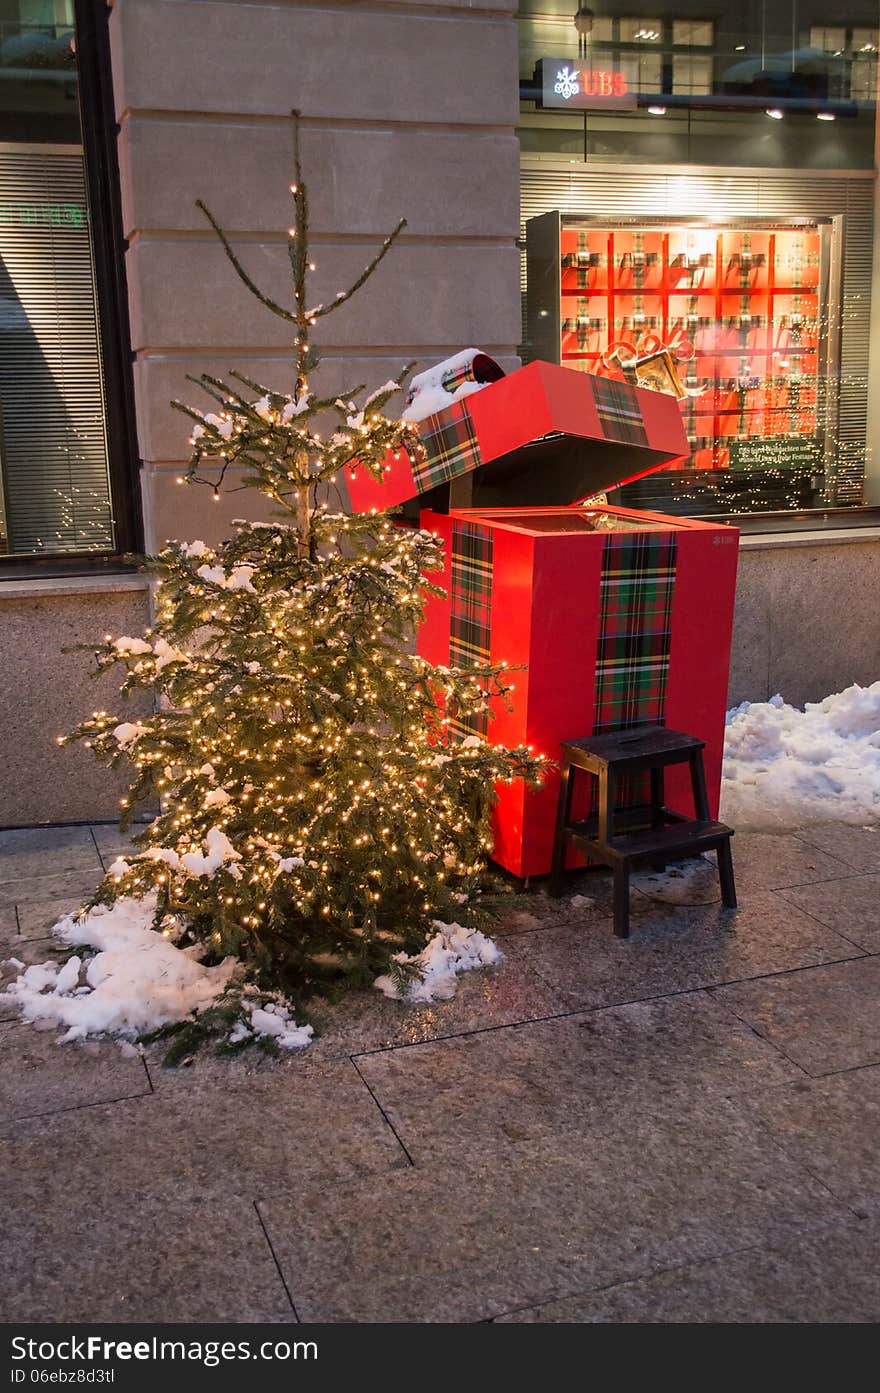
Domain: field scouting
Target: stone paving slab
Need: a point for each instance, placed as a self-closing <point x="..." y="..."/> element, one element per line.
<point x="111" y="842"/>
<point x="457" y="1097"/>
<point x="94" y="1255"/>
<point x="830" y="1275"/>
<point x="769" y="861"/>
<point x="70" y="886"/>
<point x="248" y="1136"/>
<point x="825" y="1019"/>
<point x="36" y="918"/>
<point x="39" y="851"/>
<point x="851" y="907"/>
<point x="691" y="882"/>
<point x="831" y="1127"/>
<point x="674" y="949"/>
<point x="859" y="847"/>
<point x="491" y="997"/>
<point x="40" y="1076"/>
<point x="469" y="1242"/>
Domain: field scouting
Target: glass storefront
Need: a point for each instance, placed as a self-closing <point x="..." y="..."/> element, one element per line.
<point x="742" y="285"/>
<point x="55" y="496"/>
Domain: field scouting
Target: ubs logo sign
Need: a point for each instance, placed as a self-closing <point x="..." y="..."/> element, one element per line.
<point x="588" y="86"/>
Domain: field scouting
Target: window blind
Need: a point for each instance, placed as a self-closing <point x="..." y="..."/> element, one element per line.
<point x="53" y="446"/>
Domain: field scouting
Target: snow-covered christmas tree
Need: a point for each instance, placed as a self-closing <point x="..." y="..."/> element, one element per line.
<point x="318" y="814"/>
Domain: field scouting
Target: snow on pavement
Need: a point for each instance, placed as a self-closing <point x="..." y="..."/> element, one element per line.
<point x="133" y="979"/>
<point x="453" y="950"/>
<point x="785" y="768"/>
<point x="136" y="981"/>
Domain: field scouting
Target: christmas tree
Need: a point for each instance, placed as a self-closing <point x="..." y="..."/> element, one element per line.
<point x="319" y="808"/>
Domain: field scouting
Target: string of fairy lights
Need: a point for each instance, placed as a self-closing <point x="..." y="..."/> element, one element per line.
<point x="302" y="754"/>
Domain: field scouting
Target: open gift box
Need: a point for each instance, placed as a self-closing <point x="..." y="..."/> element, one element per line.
<point x="618" y="618"/>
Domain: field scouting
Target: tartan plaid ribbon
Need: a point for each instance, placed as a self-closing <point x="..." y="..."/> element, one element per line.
<point x="451" y="447"/>
<point x="632" y="661"/>
<point x="632" y="667"/>
<point x="470" y="619"/>
<point x="619" y="414"/>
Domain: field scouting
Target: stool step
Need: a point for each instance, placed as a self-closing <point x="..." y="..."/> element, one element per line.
<point x="683" y="838"/>
<point x="643" y="746"/>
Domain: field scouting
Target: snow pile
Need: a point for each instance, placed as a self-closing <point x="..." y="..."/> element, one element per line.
<point x="271" y="1020"/>
<point x="785" y="768"/>
<point x="453" y="950"/>
<point x="138" y="981"/>
<point x="448" y="382"/>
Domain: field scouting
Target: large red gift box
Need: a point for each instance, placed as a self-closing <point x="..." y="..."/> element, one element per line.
<point x="618" y="618"/>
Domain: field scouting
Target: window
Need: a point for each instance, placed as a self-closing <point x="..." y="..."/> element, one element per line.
<point x="738" y="315"/>
<point x="602" y="31"/>
<point x="650" y="70"/>
<point x="691" y="75"/>
<point x="864" y="41"/>
<point x="53" y="444"/>
<point x="828" y="40"/>
<point x="693" y="32"/>
<point x="641" y="31"/>
<point x="863" y="68"/>
<point x="55" y="466"/>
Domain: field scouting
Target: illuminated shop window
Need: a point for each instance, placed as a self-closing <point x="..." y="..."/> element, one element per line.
<point x="735" y="320"/>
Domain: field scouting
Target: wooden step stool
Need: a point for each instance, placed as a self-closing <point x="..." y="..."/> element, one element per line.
<point x="618" y="838"/>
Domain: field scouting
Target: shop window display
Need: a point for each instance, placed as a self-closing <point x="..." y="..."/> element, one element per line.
<point x="732" y="318"/>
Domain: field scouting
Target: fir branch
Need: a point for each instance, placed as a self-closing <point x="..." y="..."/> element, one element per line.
<point x="239" y="269"/>
<point x="321" y="310"/>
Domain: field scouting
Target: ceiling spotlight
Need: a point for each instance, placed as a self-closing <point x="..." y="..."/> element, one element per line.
<point x="825" y="116"/>
<point x="774" y="113"/>
<point x="657" y="110"/>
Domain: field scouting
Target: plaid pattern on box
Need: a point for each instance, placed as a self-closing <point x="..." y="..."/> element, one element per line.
<point x="619" y="414"/>
<point x="471" y="604"/>
<point x="632" y="661"/>
<point x="450" y="445"/>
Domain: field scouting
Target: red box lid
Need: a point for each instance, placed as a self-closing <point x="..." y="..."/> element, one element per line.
<point x="544" y="435"/>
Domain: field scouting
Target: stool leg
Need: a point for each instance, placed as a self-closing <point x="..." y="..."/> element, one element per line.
<point x="725" y="874"/>
<point x="607" y="798"/>
<point x="698" y="784"/>
<point x="658" y="796"/>
<point x="560" y="841"/>
<point x="621" y="899"/>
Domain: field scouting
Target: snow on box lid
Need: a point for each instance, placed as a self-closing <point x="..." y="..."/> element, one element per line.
<point x="543" y="435"/>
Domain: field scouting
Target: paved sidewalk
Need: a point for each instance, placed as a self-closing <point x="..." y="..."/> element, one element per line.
<point x="682" y="1126"/>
